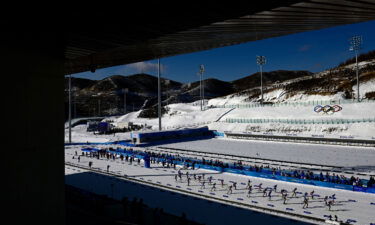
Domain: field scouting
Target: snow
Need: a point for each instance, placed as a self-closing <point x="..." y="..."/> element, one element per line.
<point x="349" y="111"/>
<point x="349" y="205"/>
<point x="360" y="64"/>
<point x="292" y="152"/>
<point x="227" y="100"/>
<point x="365" y="87"/>
<point x="364" y="131"/>
<point x="190" y="115"/>
<point x="178" y="115"/>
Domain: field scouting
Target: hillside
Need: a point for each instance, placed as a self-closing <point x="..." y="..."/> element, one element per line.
<point x="269" y="78"/>
<point x="106" y="97"/>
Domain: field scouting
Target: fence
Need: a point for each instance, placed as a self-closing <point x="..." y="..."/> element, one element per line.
<point x="294" y="104"/>
<point x="248" y="171"/>
<point x="300" y="121"/>
<point x="314" y="139"/>
<point x="186" y="125"/>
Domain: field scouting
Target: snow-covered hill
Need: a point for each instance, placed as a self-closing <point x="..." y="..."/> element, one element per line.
<point x="286" y="100"/>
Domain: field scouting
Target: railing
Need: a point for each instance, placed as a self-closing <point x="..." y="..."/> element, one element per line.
<point x="314" y="139"/>
<point x="301" y="121"/>
<point x="186" y="125"/>
<point x="293" y="104"/>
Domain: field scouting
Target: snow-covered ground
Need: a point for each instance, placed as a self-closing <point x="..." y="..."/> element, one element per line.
<point x="189" y="115"/>
<point x="181" y="114"/>
<point x="345" y="156"/>
<point x="355" y="206"/>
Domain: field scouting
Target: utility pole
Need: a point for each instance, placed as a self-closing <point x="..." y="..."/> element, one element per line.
<point x="70" y="109"/>
<point x="261" y="60"/>
<point x="201" y="71"/>
<point x="159" y="96"/>
<point x="98" y="107"/>
<point x="125" y="90"/>
<point x="356" y="42"/>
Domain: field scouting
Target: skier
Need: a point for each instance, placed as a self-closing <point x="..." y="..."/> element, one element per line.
<point x="275" y="187"/>
<point x="333" y="197"/>
<point x="330" y="203"/>
<point x="235" y="185"/>
<point x="284" y="194"/>
<point x="222" y="182"/>
<point x="188" y="181"/>
<point x="305" y="202"/>
<point x="326" y="200"/>
<point x="203" y="182"/>
<point x="108" y="168"/>
<point x="269" y="194"/>
<point x="90" y="164"/>
<point x="248" y="184"/>
<point x="260" y="187"/>
<point x="79" y="158"/>
<point x="249" y="191"/>
<point x="294" y="192"/>
<point x="213" y="187"/>
<point x="312" y="194"/>
<point x="229" y="190"/>
<point x="265" y="192"/>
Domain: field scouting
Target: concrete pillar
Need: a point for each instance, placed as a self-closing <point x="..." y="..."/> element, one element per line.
<point x="33" y="92"/>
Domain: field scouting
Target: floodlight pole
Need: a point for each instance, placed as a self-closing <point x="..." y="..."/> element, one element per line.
<point x="70" y="109"/>
<point x="201" y="71"/>
<point x="356" y="71"/>
<point x="261" y="60"/>
<point x="261" y="84"/>
<point x="125" y="90"/>
<point x="356" y="42"/>
<point x="159" y="96"/>
<point x="200" y="90"/>
<point x="99" y="107"/>
<point x="203" y="91"/>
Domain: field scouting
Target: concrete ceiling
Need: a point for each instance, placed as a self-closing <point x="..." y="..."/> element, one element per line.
<point x="117" y="36"/>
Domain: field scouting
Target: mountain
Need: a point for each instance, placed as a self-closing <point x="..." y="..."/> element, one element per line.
<point x="269" y="78"/>
<point x="106" y="97"/>
<point x="79" y="83"/>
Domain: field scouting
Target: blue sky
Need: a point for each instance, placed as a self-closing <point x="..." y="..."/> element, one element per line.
<point x="314" y="51"/>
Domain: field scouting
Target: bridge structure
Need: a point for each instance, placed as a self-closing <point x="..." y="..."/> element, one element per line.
<point x="39" y="47"/>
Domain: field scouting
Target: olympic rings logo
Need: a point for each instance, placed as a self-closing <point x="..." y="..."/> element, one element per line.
<point x="327" y="109"/>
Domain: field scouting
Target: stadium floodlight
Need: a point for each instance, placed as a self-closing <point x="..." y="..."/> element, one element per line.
<point x="355" y="45"/>
<point x="201" y="71"/>
<point x="70" y="109"/>
<point x="159" y="96"/>
<point x="261" y="60"/>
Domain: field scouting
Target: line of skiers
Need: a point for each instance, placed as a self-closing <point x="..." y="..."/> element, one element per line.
<point x="267" y="192"/>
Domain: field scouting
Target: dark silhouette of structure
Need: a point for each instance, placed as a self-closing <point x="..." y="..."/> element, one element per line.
<point x="39" y="47"/>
